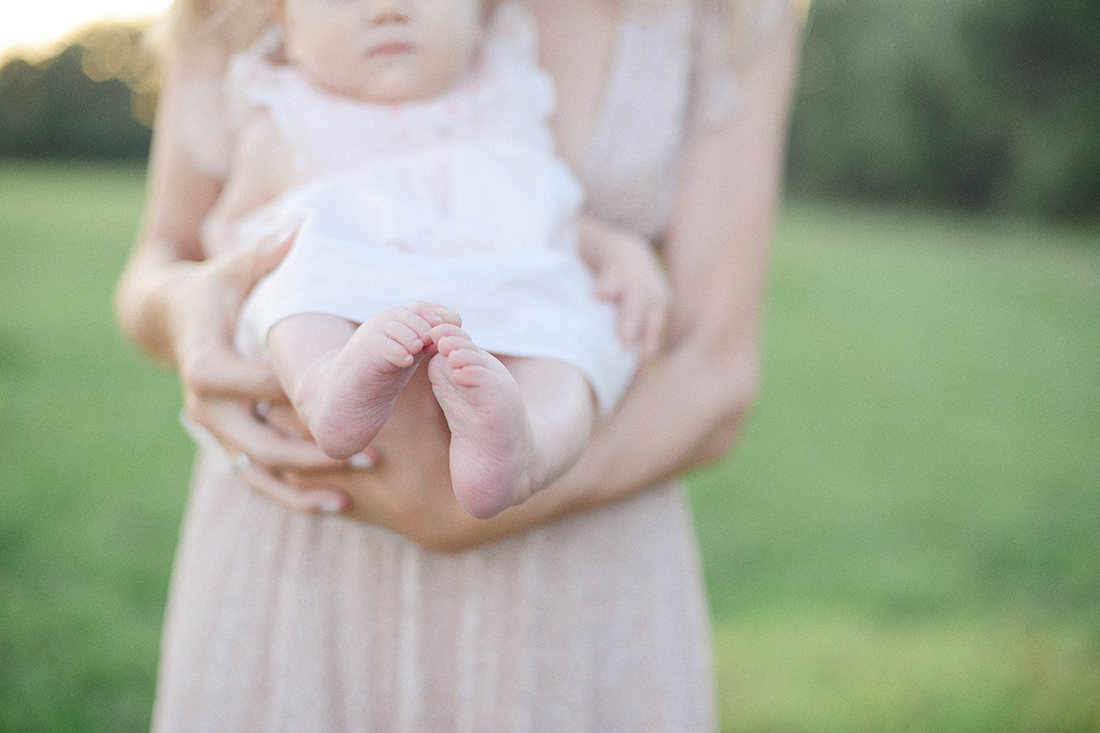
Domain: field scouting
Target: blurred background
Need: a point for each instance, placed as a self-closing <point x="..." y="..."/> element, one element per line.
<point x="907" y="537"/>
<point x="967" y="104"/>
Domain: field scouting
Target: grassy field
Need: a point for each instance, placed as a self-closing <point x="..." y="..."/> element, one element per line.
<point x="907" y="538"/>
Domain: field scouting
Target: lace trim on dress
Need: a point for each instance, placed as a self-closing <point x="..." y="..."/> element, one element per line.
<point x="505" y="96"/>
<point x="644" y="100"/>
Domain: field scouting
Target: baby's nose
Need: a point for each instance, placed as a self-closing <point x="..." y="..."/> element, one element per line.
<point x="389" y="11"/>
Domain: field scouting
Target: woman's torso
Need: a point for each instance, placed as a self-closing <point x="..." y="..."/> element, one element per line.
<point x="285" y="621"/>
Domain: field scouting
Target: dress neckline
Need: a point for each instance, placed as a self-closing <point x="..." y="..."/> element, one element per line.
<point x="601" y="134"/>
<point x="611" y="81"/>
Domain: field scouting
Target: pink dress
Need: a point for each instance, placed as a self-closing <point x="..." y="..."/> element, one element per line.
<point x="279" y="621"/>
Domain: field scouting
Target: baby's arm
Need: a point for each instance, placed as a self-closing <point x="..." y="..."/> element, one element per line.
<point x="628" y="273"/>
<point x="263" y="168"/>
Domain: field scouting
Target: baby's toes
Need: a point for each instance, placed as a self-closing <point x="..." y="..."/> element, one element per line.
<point x="436" y="314"/>
<point x="449" y="315"/>
<point x="401" y="345"/>
<point x="468" y="355"/>
<point x="449" y="337"/>
<point x="420" y="323"/>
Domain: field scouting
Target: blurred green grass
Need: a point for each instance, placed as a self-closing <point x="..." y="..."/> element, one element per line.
<point x="93" y="468"/>
<point x="908" y="536"/>
<point x="906" y="539"/>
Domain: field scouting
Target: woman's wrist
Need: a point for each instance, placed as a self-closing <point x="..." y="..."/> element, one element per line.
<point x="147" y="306"/>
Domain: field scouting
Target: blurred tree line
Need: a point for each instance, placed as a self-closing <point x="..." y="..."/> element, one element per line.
<point x="990" y="105"/>
<point x="987" y="105"/>
<point x="94" y="99"/>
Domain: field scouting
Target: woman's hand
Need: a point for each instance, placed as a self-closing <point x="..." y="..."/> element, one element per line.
<point x="236" y="401"/>
<point x="408" y="487"/>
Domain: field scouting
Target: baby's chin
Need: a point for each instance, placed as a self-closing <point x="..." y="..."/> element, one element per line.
<point x="420" y="91"/>
<point x="397" y="84"/>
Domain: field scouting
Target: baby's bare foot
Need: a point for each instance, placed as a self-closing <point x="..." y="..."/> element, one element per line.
<point x="492" y="445"/>
<point x="363" y="380"/>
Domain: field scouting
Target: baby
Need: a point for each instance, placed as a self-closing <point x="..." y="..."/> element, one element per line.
<point x="406" y="144"/>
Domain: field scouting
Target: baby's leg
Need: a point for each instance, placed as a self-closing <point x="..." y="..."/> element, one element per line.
<point x="343" y="379"/>
<point x="514" y="428"/>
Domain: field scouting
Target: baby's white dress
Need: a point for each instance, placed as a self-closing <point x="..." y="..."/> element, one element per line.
<point x="595" y="623"/>
<point x="457" y="200"/>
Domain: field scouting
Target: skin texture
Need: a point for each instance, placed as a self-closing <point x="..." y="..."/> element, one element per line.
<point x="681" y="413"/>
<point x="382" y="50"/>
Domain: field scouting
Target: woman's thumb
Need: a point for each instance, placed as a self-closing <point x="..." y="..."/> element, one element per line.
<point x="258" y="260"/>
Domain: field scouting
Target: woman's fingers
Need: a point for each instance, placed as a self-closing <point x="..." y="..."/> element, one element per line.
<point x="222" y="389"/>
<point x="220" y="386"/>
<point x="652" y="335"/>
<point x="207" y="315"/>
<point x="245" y="267"/>
<point x="236" y="426"/>
<point x="266" y="483"/>
<point x="222" y="372"/>
<point x="653" y="329"/>
<point x="609" y="287"/>
<point x="654" y="304"/>
<point x="631" y="318"/>
<point x="428" y="515"/>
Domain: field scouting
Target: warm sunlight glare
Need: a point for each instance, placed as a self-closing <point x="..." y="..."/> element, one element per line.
<point x="33" y="26"/>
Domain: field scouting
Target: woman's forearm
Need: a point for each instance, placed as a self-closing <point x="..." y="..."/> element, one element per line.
<point x="683" y="414"/>
<point x="179" y="197"/>
<point x="143" y="300"/>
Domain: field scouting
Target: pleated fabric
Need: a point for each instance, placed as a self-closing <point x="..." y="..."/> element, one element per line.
<point x="289" y="622"/>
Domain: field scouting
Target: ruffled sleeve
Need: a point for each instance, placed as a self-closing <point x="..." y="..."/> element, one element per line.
<point x="512" y="36"/>
<point x="252" y="81"/>
<point x="517" y="92"/>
